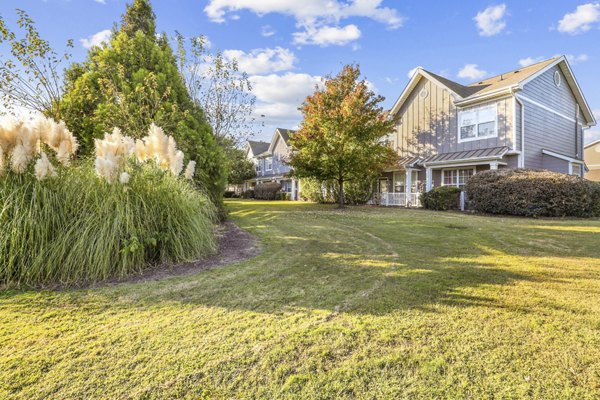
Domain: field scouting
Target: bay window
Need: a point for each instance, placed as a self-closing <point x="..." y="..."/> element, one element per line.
<point x="477" y="123"/>
<point x="456" y="177"/>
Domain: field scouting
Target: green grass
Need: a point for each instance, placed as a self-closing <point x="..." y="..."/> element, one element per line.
<point x="365" y="303"/>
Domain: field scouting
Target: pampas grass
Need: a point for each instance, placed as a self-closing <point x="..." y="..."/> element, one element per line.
<point x="82" y="222"/>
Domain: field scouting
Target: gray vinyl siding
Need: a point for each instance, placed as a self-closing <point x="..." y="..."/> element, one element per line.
<point x="546" y="130"/>
<point x="280" y="152"/>
<point x="555" y="164"/>
<point x="429" y="125"/>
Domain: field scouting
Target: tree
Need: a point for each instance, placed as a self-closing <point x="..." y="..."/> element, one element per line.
<point x="217" y="86"/>
<point x="342" y="136"/>
<point x="30" y="72"/>
<point x="132" y="82"/>
<point x="240" y="168"/>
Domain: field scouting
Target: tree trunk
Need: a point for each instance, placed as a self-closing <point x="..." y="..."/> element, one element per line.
<point x="341" y="200"/>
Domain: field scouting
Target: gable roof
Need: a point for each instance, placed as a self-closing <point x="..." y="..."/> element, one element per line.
<point x="257" y="147"/>
<point x="280" y="133"/>
<point x="478" y="91"/>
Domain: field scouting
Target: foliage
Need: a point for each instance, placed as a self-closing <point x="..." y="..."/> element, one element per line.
<point x="219" y="88"/>
<point x="30" y="72"/>
<point x="441" y="198"/>
<point x="132" y="82"/>
<point x="248" y="194"/>
<point x="341" y="136"/>
<point x="358" y="191"/>
<point x="240" y="168"/>
<point x="311" y="190"/>
<point x="533" y="193"/>
<point x="267" y="191"/>
<point x="129" y="209"/>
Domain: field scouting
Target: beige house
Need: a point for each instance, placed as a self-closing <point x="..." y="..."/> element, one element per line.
<point x="532" y="117"/>
<point x="591" y="155"/>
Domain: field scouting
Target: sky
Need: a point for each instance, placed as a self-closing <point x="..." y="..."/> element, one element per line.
<point x="288" y="46"/>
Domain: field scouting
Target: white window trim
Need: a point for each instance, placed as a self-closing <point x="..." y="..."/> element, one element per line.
<point x="581" y="170"/>
<point x="454" y="169"/>
<point x="267" y="164"/>
<point x="495" y="135"/>
<point x="394" y="180"/>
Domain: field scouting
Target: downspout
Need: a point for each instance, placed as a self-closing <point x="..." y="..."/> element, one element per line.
<point x="522" y="157"/>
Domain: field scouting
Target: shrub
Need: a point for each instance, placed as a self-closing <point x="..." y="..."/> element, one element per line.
<point x="312" y="190"/>
<point x="228" y="194"/>
<point x="284" y="196"/>
<point x="248" y="194"/>
<point x="88" y="221"/>
<point x="441" y="198"/>
<point x="358" y="191"/>
<point x="533" y="193"/>
<point x="267" y="191"/>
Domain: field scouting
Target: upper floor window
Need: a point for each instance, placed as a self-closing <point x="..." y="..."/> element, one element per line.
<point x="477" y="123"/>
<point x="258" y="169"/>
<point x="269" y="163"/>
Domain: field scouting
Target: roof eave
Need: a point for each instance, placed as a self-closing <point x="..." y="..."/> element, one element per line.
<point x="487" y="96"/>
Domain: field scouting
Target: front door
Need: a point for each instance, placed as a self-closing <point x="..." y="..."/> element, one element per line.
<point x="383" y="185"/>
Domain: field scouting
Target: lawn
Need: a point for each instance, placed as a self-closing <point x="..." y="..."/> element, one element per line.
<point x="364" y="303"/>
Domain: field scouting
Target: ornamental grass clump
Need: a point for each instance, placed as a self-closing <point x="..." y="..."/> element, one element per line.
<point x="79" y="222"/>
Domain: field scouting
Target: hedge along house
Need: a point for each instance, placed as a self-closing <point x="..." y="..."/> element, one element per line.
<point x="269" y="160"/>
<point x="532" y="117"/>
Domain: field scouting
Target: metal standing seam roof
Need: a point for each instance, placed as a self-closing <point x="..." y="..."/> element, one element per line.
<point x="493" y="152"/>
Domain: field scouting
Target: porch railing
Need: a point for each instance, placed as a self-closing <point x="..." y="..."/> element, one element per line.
<point x="400" y="199"/>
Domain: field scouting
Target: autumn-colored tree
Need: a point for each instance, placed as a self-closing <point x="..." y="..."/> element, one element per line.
<point x="342" y="136"/>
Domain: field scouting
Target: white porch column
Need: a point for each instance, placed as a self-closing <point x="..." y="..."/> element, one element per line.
<point x="407" y="187"/>
<point x="494" y="165"/>
<point x="428" y="179"/>
<point x="294" y="194"/>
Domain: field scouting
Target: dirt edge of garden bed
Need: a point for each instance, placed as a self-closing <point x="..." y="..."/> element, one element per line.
<point x="234" y="245"/>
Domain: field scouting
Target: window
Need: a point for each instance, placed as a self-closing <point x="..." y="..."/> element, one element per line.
<point x="557" y="78"/>
<point x="576" y="169"/>
<point x="258" y="169"/>
<point x="477" y="123"/>
<point x="400" y="182"/>
<point x="269" y="163"/>
<point x="456" y="177"/>
<point x="423" y="93"/>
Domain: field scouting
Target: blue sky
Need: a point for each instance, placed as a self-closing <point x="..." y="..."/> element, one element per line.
<point x="287" y="45"/>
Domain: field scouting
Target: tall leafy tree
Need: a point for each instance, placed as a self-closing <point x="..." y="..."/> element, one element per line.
<point x="342" y="136"/>
<point x="134" y="81"/>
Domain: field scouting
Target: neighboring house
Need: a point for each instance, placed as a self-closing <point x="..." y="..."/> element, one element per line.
<point x="532" y="117"/>
<point x="269" y="160"/>
<point x="591" y="155"/>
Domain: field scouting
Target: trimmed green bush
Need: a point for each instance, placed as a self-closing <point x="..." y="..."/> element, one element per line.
<point x="441" y="198"/>
<point x="77" y="228"/>
<point x="533" y="193"/>
<point x="358" y="191"/>
<point x="247" y="194"/>
<point x="267" y="191"/>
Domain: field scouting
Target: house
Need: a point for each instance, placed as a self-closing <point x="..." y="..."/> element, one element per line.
<point x="591" y="155"/>
<point x="532" y="117"/>
<point x="269" y="159"/>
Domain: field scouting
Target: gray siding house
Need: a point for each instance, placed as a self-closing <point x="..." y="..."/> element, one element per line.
<point x="269" y="160"/>
<point x="532" y="117"/>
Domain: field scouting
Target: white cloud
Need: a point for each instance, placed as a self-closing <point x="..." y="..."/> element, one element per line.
<point x="262" y="61"/>
<point x="96" y="39"/>
<point x="267" y="31"/>
<point x="100" y="1"/>
<point x="280" y="96"/>
<point x="308" y="11"/>
<point x="328" y="35"/>
<point x="319" y="20"/>
<point x="573" y="59"/>
<point x="412" y="72"/>
<point x="472" y="72"/>
<point x="491" y="21"/>
<point x="581" y="19"/>
<point x="524" y="62"/>
<point x="576" y="59"/>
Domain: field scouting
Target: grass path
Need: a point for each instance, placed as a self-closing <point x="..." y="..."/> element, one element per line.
<point x="365" y="303"/>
